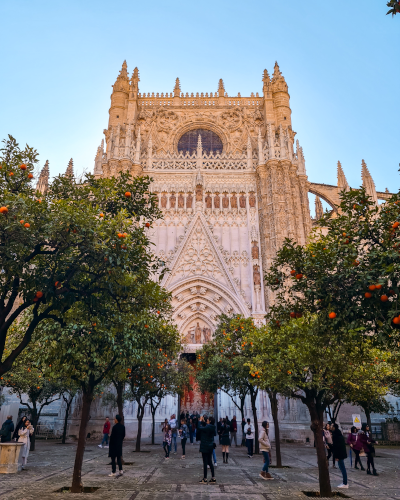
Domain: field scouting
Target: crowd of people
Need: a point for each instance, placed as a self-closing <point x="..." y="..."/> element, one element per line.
<point x="204" y="429"/>
<point x="361" y="442"/>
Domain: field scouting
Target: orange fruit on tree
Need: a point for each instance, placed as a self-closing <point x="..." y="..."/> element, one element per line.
<point x="3" y="210"/>
<point x="292" y="272"/>
<point x="384" y="298"/>
<point x="30" y="176"/>
<point x="11" y="173"/>
<point x="101" y="215"/>
<point x="332" y="315"/>
<point x="23" y="166"/>
<point x="368" y="295"/>
<point x="21" y="221"/>
<point x="299" y="276"/>
<point x="39" y="295"/>
<point x="146" y="326"/>
<point x="396" y="320"/>
<point x="292" y="314"/>
<point x="395" y="225"/>
<point x="27" y="225"/>
<point x="128" y="194"/>
<point x="372" y="287"/>
<point x="378" y="287"/>
<point x="147" y="224"/>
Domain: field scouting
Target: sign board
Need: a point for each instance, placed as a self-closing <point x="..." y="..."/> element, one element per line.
<point x="357" y="421"/>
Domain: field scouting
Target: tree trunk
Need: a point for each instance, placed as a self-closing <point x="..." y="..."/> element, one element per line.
<point x="253" y="397"/>
<point x="87" y="398"/>
<point x="120" y="386"/>
<point x="153" y="424"/>
<point x="274" y="410"/>
<point x="34" y="421"/>
<point x="317" y="425"/>
<point x="140" y="414"/>
<point x="242" y="400"/>
<point x="368" y="416"/>
<point x="64" y="436"/>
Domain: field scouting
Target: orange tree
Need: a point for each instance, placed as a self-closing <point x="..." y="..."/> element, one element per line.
<point x="394" y="7"/>
<point x="295" y="358"/>
<point x="221" y="364"/>
<point x="91" y="343"/>
<point x="349" y="277"/>
<point x="67" y="246"/>
<point x="152" y="376"/>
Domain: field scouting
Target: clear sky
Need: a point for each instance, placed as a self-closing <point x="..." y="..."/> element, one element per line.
<point x="340" y="60"/>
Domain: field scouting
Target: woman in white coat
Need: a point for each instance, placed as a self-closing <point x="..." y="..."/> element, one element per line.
<point x="24" y="437"/>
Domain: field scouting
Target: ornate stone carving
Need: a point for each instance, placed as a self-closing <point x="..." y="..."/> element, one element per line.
<point x="208" y="201"/>
<point x="164" y="200"/>
<point x="189" y="200"/>
<point x="255" y="254"/>
<point x="256" y="275"/>
<point x="216" y="201"/>
<point x="242" y="201"/>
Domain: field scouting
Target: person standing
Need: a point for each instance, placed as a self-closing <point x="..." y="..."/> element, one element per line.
<point x="265" y="448"/>
<point x="191" y="430"/>
<point x="106" y="433"/>
<point x="206" y="433"/>
<point x="225" y="441"/>
<point x="340" y="453"/>
<point x="249" y="433"/>
<point x="367" y="443"/>
<point x="20" y="424"/>
<point x="174" y="432"/>
<point x="219" y="425"/>
<point x="233" y="428"/>
<point x="167" y="440"/>
<point x="7" y="429"/>
<point x="355" y="445"/>
<point x="25" y="434"/>
<point x="183" y="432"/>
<point x="115" y="450"/>
<point x="327" y="434"/>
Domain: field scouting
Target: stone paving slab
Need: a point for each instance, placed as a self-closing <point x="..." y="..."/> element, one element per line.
<point x="150" y="477"/>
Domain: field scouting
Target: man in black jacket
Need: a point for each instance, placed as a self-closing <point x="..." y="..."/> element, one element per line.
<point x="206" y="432"/>
<point x="115" y="450"/>
<point x="7" y="429"/>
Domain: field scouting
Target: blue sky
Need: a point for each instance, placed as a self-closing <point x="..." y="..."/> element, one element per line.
<point x="340" y="60"/>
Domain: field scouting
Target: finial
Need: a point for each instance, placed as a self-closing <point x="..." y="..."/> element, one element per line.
<point x="70" y="169"/>
<point x="342" y="181"/>
<point x="368" y="182"/>
<point x="266" y="79"/>
<point x="43" y="181"/>
<point x="177" y="88"/>
<point x="135" y="75"/>
<point x="221" y="88"/>
<point x="277" y="72"/>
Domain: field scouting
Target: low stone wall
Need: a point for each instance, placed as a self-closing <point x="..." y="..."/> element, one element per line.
<point x="391" y="431"/>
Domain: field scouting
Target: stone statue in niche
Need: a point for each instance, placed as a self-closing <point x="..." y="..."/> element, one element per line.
<point x="225" y="202"/>
<point x="197" y="334"/>
<point x="256" y="275"/>
<point x="164" y="201"/>
<point x="252" y="200"/>
<point x="199" y="193"/>
<point x="242" y="201"/>
<point x="181" y="201"/>
<point x="190" y="337"/>
<point x="206" y="335"/>
<point x="234" y="201"/>
<point x="255" y="254"/>
<point x="172" y="200"/>
<point x="189" y="200"/>
<point x="208" y="201"/>
<point x="216" y="201"/>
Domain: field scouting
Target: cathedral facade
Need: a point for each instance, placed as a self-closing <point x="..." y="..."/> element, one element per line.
<point x="232" y="185"/>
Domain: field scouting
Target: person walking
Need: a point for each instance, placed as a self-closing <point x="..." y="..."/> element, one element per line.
<point x="164" y="425"/>
<point x="7" y="429"/>
<point x="225" y="441"/>
<point x="20" y="424"/>
<point x="355" y="445"/>
<point x="25" y="434"/>
<point x="183" y="432"/>
<point x="174" y="432"/>
<point x="167" y="440"/>
<point x="340" y="453"/>
<point x="106" y="433"/>
<point x="249" y="433"/>
<point x="265" y="448"/>
<point x="233" y="429"/>
<point x="327" y="434"/>
<point x="115" y="450"/>
<point x="367" y="443"/>
<point x="206" y="433"/>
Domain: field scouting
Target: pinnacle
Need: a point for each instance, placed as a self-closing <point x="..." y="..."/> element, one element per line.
<point x="70" y="168"/>
<point x="221" y="84"/>
<point x="277" y="71"/>
<point x="266" y="77"/>
<point x="177" y="88"/>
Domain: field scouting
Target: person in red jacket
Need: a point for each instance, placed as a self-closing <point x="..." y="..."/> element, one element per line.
<point x="106" y="432"/>
<point x="356" y="445"/>
<point x="367" y="442"/>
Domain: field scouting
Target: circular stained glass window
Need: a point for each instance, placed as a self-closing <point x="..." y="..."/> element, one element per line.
<point x="209" y="141"/>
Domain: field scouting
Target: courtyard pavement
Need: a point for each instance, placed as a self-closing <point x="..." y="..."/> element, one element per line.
<point x="147" y="476"/>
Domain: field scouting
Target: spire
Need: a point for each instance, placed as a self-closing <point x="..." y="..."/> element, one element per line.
<point x="135" y="81"/>
<point x="277" y="72"/>
<point x="124" y="70"/>
<point x="43" y="181"/>
<point x="177" y="88"/>
<point x="342" y="181"/>
<point x="98" y="171"/>
<point x="301" y="163"/>
<point x="368" y="182"/>
<point x="319" y="211"/>
<point x="221" y="88"/>
<point x="70" y="169"/>
<point x="266" y="79"/>
<point x="122" y="81"/>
